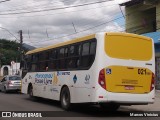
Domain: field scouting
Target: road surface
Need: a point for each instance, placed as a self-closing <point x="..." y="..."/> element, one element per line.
<point x="20" y="102"/>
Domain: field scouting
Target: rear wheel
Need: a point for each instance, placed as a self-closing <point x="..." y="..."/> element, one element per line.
<point x="5" y="90"/>
<point x="30" y="92"/>
<point x="65" y="98"/>
<point x="109" y="106"/>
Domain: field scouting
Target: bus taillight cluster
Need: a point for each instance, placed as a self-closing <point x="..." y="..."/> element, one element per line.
<point x="101" y="79"/>
<point x="152" y="82"/>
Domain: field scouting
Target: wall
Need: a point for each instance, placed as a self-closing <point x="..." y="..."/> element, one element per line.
<point x="12" y="70"/>
<point x="139" y="19"/>
<point x="158" y="16"/>
<point x="2" y="70"/>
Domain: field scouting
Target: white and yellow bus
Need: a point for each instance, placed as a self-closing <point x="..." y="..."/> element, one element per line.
<point x="110" y="69"/>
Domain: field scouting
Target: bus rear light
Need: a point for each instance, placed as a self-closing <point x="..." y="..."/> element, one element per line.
<point x="101" y="79"/>
<point x="152" y="82"/>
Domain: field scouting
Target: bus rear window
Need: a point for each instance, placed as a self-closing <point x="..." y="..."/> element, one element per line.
<point x="128" y="47"/>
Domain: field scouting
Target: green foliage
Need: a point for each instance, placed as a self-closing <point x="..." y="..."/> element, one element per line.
<point x="9" y="51"/>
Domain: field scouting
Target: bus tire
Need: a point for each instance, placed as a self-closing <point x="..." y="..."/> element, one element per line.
<point x="5" y="91"/>
<point x="30" y="92"/>
<point x="65" y="98"/>
<point x="109" y="106"/>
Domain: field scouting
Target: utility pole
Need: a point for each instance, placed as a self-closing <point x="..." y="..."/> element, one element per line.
<point x="0" y="55"/>
<point x="21" y="42"/>
<point x="0" y="63"/>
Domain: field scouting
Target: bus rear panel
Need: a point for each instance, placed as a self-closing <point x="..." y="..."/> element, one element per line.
<point x="128" y="75"/>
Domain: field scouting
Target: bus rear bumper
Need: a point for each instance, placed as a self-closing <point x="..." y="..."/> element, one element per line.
<point x="126" y="98"/>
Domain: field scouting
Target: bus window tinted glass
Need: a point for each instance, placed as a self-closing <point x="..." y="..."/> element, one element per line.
<point x="66" y="52"/>
<point x="85" y="49"/>
<point x="71" y="50"/>
<point x="93" y="48"/>
<point x="54" y="54"/>
<point x="61" y="53"/>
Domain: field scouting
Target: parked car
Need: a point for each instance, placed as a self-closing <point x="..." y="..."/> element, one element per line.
<point x="10" y="83"/>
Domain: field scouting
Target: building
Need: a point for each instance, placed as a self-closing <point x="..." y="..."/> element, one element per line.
<point x="143" y="17"/>
<point x="13" y="69"/>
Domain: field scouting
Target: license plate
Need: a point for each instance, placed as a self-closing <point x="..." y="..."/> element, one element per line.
<point x="129" y="87"/>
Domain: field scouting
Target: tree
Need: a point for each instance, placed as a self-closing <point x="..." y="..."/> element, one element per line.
<point x="9" y="52"/>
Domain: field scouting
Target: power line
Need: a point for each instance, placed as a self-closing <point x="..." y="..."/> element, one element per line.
<point x="19" y="7"/>
<point x="82" y="30"/>
<point x="9" y="32"/>
<point x="121" y="11"/>
<point x="92" y="8"/>
<point x="85" y="29"/>
<point x="57" y="38"/>
<point x="29" y="35"/>
<point x="51" y="9"/>
<point x="37" y="6"/>
<point x="92" y="28"/>
<point x="4" y="1"/>
<point x="74" y="27"/>
<point x="59" y="13"/>
<point x="100" y="20"/>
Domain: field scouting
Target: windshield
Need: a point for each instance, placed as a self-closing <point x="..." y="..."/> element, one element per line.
<point x="14" y="78"/>
<point x="128" y="47"/>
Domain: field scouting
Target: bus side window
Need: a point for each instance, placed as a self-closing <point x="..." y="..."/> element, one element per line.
<point x="33" y="67"/>
<point x="46" y="55"/>
<point x="53" y="63"/>
<point x="66" y="52"/>
<point x="29" y="61"/>
<point x="88" y="54"/>
<point x="42" y="66"/>
<point x="74" y="56"/>
<point x="71" y="50"/>
<point x="85" y="49"/>
<point x="61" y="53"/>
<point x="92" y="52"/>
<point x="84" y="63"/>
<point x="93" y="48"/>
<point x="79" y="49"/>
<point x="61" y="59"/>
<point x="53" y="54"/>
<point x="41" y="56"/>
<point x="46" y="66"/>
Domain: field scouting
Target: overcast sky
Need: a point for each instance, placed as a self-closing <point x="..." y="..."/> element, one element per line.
<point x="45" y="23"/>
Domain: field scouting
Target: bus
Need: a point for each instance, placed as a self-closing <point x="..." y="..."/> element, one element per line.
<point x="108" y="69"/>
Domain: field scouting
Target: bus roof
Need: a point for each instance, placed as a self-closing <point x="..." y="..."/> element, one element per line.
<point x="83" y="39"/>
<point x="61" y="44"/>
<point x="129" y="34"/>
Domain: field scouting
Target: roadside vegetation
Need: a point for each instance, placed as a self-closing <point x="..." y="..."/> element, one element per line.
<point x="9" y="51"/>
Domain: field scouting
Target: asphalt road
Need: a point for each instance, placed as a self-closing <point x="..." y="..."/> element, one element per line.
<point x="20" y="102"/>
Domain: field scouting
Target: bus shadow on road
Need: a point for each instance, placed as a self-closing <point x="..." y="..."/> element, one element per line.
<point x="53" y="103"/>
<point x="79" y="110"/>
<point x="11" y="92"/>
<point x="96" y="111"/>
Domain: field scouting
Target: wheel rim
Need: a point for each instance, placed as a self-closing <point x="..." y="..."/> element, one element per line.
<point x="65" y="98"/>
